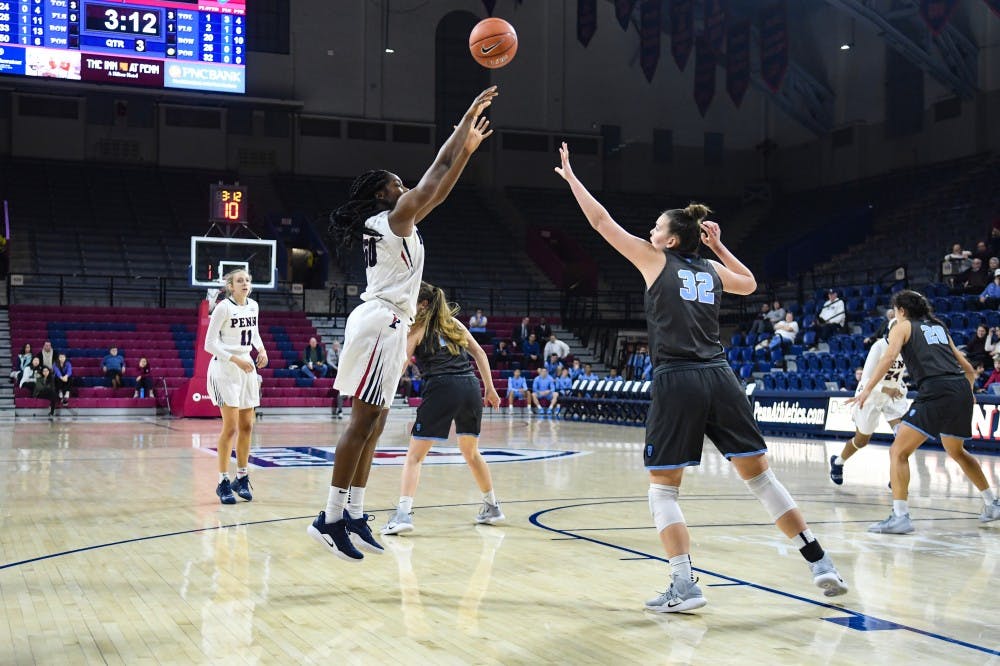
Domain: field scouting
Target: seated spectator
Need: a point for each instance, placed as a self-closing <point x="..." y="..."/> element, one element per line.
<point x="532" y="353"/>
<point x="975" y="349"/>
<point x="63" y="372"/>
<point x="113" y="366"/>
<point x="777" y="313"/>
<point x="543" y="331"/>
<point x="477" y="322"/>
<point x="613" y="376"/>
<point x="47" y="355"/>
<point x="501" y="356"/>
<point x="974" y="280"/>
<point x="992" y="265"/>
<point x="557" y="347"/>
<point x="22" y="362"/>
<point x="785" y="331"/>
<point x="955" y="262"/>
<point x="333" y="358"/>
<point x="143" y="380"/>
<point x="520" y="333"/>
<point x="313" y="360"/>
<point x="553" y="365"/>
<point x="517" y="388"/>
<point x="543" y="387"/>
<point x="576" y="370"/>
<point x="409" y="383"/>
<point x="762" y="323"/>
<point x="647" y="370"/>
<point x="992" y="345"/>
<point x="990" y="298"/>
<point x="563" y="382"/>
<point x="832" y="318"/>
<point x="588" y="373"/>
<point x="882" y="329"/>
<point x="982" y="252"/>
<point x="45" y="388"/>
<point x="981" y="376"/>
<point x="637" y="362"/>
<point x="992" y="384"/>
<point x="30" y="374"/>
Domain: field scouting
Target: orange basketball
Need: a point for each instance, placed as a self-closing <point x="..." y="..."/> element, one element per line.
<point x="493" y="43"/>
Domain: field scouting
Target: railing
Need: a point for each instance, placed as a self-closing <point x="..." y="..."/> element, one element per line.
<point x="885" y="275"/>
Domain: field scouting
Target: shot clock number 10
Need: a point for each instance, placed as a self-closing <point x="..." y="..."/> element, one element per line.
<point x="228" y="204"/>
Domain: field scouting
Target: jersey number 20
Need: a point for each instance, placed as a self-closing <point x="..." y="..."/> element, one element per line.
<point x="934" y="335"/>
<point x="697" y="286"/>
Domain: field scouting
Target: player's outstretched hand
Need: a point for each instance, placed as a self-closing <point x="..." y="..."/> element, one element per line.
<point x="860" y="398"/>
<point x="477" y="133"/>
<point x="492" y="398"/>
<point x="565" y="170"/>
<point x="483" y="100"/>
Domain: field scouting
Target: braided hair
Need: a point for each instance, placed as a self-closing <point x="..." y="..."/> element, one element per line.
<point x="347" y="223"/>
<point x="685" y="223"/>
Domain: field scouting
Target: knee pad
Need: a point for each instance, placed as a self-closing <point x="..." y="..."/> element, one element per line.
<point x="663" y="506"/>
<point x="769" y="491"/>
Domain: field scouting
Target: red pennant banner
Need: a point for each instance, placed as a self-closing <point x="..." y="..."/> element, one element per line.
<point x="681" y="30"/>
<point x="490" y="4"/>
<point x="715" y="25"/>
<point x="774" y="45"/>
<point x="650" y="25"/>
<point x="994" y="5"/>
<point x="586" y="20"/>
<point x="623" y="12"/>
<point x="704" y="75"/>
<point x="738" y="60"/>
<point x="936" y="13"/>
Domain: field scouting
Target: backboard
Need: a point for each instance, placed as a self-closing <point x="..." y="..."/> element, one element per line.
<point x="212" y="257"/>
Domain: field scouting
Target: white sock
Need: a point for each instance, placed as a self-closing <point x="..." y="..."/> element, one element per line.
<point x="680" y="567"/>
<point x="989" y="496"/>
<point x="223" y="476"/>
<point x="405" y="504"/>
<point x="241" y="472"/>
<point x="335" y="502"/>
<point x="900" y="507"/>
<point x="838" y="461"/>
<point x="803" y="538"/>
<point x="356" y="502"/>
<point x="490" y="497"/>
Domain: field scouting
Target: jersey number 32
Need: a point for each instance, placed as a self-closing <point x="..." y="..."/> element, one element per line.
<point x="697" y="286"/>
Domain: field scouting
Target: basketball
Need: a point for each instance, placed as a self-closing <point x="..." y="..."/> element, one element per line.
<point x="493" y="43"/>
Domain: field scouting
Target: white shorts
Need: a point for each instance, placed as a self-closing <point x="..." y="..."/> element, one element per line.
<point x="229" y="386"/>
<point x="374" y="354"/>
<point x="878" y="404"/>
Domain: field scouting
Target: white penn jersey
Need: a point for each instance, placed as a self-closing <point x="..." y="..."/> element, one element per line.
<point x="232" y="330"/>
<point x="394" y="266"/>
<point x="893" y="378"/>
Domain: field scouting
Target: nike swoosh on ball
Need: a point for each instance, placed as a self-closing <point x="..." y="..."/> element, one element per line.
<point x="487" y="50"/>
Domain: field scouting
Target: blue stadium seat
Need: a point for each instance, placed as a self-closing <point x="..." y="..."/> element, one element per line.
<point x="811" y="363"/>
<point x="809" y="307"/>
<point x="760" y="354"/>
<point x="736" y="340"/>
<point x="809" y="338"/>
<point x="835" y="343"/>
<point x="827" y="362"/>
<point x="843" y="362"/>
<point x="762" y="366"/>
<point x="865" y="291"/>
<point x="992" y="318"/>
<point x="746" y="370"/>
<point x="870" y="303"/>
<point x="751" y="339"/>
<point x="940" y="304"/>
<point x="780" y="380"/>
<point x="797" y="350"/>
<point x="769" y="382"/>
<point x="794" y="381"/>
<point x="733" y="355"/>
<point x="777" y="356"/>
<point x="808" y="321"/>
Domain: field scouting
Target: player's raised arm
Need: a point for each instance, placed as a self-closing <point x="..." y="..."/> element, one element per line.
<point x="452" y="155"/>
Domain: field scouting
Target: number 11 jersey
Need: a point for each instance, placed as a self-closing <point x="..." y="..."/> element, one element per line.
<point x="394" y="266"/>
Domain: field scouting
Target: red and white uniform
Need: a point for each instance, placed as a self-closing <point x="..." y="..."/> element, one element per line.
<point x="233" y="331"/>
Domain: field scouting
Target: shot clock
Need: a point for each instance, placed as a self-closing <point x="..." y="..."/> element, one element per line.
<point x="187" y="44"/>
<point x="227" y="204"/>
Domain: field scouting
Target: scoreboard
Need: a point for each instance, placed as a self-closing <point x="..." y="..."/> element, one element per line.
<point x="184" y="44"/>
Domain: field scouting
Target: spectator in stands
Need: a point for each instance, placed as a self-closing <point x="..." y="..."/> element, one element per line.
<point x="521" y="332"/>
<point x="543" y="387"/>
<point x="553" y="365"/>
<point x="555" y="346"/>
<point x="832" y="318"/>
<point x="993" y="342"/>
<point x="532" y="353"/>
<point x="762" y="323"/>
<point x="956" y="261"/>
<point x="777" y="313"/>
<point x="143" y="380"/>
<point x="48" y="355"/>
<point x="333" y="358"/>
<point x="113" y="366"/>
<point x="588" y="373"/>
<point x="63" y="372"/>
<point x="614" y="377"/>
<point x="30" y="374"/>
<point x="543" y="331"/>
<point x="858" y="374"/>
<point x="990" y="297"/>
<point x="637" y="362"/>
<point x="517" y="389"/>
<point x="982" y="252"/>
<point x="45" y="388"/>
<point x="974" y="280"/>
<point x="992" y="265"/>
<point x="979" y="382"/>
<point x="23" y="361"/>
<point x="576" y="370"/>
<point x="501" y="356"/>
<point x="785" y="331"/>
<point x="992" y="384"/>
<point x="477" y="322"/>
<point x="647" y="370"/>
<point x="313" y="360"/>
<point x="409" y="383"/>
<point x="975" y="348"/>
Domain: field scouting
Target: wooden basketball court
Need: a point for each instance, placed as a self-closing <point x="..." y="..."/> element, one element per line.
<point x="114" y="549"/>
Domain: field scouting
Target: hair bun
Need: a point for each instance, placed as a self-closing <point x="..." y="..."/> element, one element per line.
<point x="697" y="211"/>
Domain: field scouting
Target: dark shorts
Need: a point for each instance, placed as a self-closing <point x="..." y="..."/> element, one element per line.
<point x="689" y="405"/>
<point x="447" y="398"/>
<point x="943" y="407"/>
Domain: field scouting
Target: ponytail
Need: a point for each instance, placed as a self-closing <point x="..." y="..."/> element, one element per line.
<point x="915" y="305"/>
<point x="439" y="322"/>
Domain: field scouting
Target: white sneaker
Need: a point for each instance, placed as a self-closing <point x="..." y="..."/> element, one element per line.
<point x="680" y="597"/>
<point x="991" y="512"/>
<point x="400" y="523"/>
<point x="490" y="514"/>
<point x="826" y="577"/>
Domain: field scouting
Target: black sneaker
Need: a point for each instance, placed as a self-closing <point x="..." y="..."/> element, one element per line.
<point x="361" y="535"/>
<point x="836" y="471"/>
<point x="241" y="486"/>
<point x="225" y="492"/>
<point x="334" y="537"/>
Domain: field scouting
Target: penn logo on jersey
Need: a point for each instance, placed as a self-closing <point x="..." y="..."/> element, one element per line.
<point x="395" y="320"/>
<point x="322" y="456"/>
<point x="242" y="322"/>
